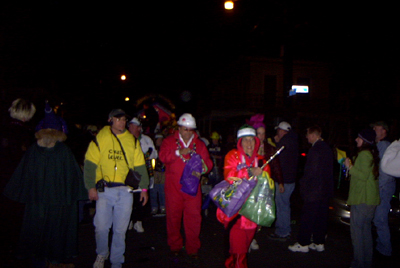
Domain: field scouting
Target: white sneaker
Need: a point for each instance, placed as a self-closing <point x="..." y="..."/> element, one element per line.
<point x="138" y="227"/>
<point x="99" y="263"/>
<point x="254" y="245"/>
<point x="130" y="227"/>
<point x="317" y="247"/>
<point x="298" y="248"/>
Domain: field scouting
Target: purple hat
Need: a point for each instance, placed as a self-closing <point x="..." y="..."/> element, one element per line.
<point x="52" y="121"/>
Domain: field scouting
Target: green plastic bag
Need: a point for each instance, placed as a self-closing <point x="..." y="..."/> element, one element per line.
<point x="260" y="205"/>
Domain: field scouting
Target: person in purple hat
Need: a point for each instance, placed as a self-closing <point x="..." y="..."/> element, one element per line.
<point x="49" y="181"/>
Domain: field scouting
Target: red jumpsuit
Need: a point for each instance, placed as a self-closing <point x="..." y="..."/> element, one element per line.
<point x="177" y="203"/>
<point x="242" y="232"/>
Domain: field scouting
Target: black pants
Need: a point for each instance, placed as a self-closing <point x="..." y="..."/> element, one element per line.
<point x="313" y="222"/>
<point x="138" y="211"/>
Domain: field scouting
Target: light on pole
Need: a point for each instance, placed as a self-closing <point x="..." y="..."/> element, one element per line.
<point x="229" y="5"/>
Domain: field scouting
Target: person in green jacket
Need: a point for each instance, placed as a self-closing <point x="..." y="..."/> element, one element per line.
<point x="363" y="196"/>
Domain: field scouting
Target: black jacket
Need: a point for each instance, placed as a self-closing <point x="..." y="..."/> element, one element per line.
<point x="289" y="156"/>
<point x="317" y="181"/>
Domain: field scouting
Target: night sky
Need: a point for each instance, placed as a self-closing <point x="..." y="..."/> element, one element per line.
<point x="75" y="52"/>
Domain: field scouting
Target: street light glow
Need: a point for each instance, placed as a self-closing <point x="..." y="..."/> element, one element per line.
<point x="228" y="5"/>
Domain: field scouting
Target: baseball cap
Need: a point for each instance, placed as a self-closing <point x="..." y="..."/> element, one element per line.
<point x="380" y="123"/>
<point x="135" y="121"/>
<point x="284" y="125"/>
<point x="116" y="113"/>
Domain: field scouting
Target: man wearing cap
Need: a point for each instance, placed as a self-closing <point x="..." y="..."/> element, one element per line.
<point x="107" y="162"/>
<point x="150" y="152"/>
<point x="288" y="159"/>
<point x="175" y="151"/>
<point x="387" y="187"/>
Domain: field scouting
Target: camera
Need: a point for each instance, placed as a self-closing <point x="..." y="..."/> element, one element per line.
<point x="100" y="185"/>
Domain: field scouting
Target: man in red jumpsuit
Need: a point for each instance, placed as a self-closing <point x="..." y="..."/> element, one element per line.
<point x="175" y="151"/>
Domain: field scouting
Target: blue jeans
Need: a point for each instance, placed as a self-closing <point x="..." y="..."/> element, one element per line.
<point x="113" y="208"/>
<point x="361" y="234"/>
<point x="387" y="188"/>
<point x="157" y="189"/>
<point x="282" y="202"/>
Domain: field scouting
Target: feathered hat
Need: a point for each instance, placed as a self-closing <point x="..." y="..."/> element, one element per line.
<point x="256" y="121"/>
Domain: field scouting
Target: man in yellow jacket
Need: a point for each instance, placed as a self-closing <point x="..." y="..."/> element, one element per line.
<point x="107" y="162"/>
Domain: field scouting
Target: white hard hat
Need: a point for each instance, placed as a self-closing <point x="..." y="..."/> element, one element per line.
<point x="187" y="120"/>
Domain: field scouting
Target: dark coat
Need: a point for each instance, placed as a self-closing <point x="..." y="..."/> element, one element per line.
<point x="317" y="181"/>
<point x="289" y="157"/>
<point x="49" y="181"/>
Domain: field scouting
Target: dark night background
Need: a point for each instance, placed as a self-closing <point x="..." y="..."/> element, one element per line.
<point x="74" y="53"/>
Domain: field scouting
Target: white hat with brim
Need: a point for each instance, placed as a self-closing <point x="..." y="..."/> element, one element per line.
<point x="135" y="121"/>
<point x="284" y="125"/>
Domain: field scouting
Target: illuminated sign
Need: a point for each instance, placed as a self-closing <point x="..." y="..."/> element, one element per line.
<point x="298" y="89"/>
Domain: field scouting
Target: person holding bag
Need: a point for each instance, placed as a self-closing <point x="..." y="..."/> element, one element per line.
<point x="176" y="152"/>
<point x="240" y="163"/>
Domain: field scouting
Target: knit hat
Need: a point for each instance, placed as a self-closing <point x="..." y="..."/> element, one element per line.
<point x="246" y="130"/>
<point x="52" y="121"/>
<point x="284" y="125"/>
<point x="256" y="121"/>
<point x="368" y="135"/>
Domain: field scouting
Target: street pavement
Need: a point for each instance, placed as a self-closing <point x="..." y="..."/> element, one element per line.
<point x="150" y="249"/>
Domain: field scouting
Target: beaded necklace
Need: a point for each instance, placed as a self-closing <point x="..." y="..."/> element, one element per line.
<point x="191" y="153"/>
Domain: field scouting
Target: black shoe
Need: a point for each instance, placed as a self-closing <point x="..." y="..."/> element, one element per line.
<point x="380" y="257"/>
<point x="194" y="260"/>
<point x="276" y="237"/>
<point x="176" y="255"/>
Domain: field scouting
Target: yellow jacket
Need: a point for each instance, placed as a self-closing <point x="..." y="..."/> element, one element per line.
<point x="105" y="156"/>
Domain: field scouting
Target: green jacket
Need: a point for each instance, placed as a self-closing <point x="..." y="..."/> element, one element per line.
<point x="364" y="187"/>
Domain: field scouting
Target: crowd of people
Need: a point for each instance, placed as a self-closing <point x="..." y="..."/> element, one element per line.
<point x="122" y="167"/>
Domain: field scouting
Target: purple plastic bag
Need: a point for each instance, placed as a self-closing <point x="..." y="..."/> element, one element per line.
<point x="190" y="179"/>
<point x="231" y="197"/>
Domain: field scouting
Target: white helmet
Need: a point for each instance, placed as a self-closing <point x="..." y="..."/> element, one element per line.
<point x="187" y="120"/>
